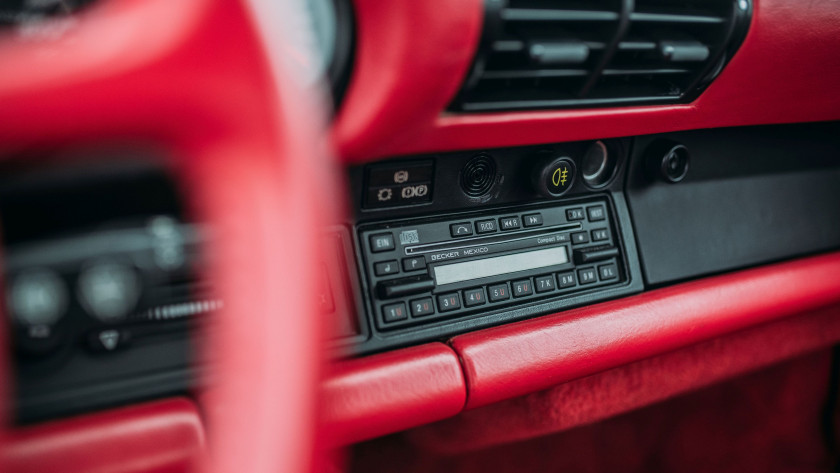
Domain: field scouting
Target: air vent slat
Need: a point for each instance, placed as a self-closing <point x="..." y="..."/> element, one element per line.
<point x="535" y="74"/>
<point x="643" y="72"/>
<point x="523" y="14"/>
<point x="591" y="53"/>
<point x="674" y="18"/>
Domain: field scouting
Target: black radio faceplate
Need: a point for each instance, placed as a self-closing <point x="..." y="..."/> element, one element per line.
<point x="420" y="272"/>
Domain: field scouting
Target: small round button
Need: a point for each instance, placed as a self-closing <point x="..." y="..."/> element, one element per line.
<point x="554" y="177"/>
<point x="667" y="160"/>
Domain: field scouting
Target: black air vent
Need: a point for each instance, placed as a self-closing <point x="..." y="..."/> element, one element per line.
<point x="589" y="53"/>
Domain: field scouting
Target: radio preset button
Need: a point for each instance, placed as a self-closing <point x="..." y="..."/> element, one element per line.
<point x="587" y="275"/>
<point x="579" y="238"/>
<point x="474" y="297"/>
<point x="600" y="234"/>
<point x="532" y="220"/>
<point x="574" y="215"/>
<point x="522" y="288"/>
<point x="414" y="264"/>
<point x="567" y="279"/>
<point x="460" y="229"/>
<point x="394" y="312"/>
<point x="509" y="223"/>
<point x="544" y="283"/>
<point x="385" y="268"/>
<point x="596" y="213"/>
<point x="608" y="272"/>
<point x="449" y="302"/>
<point x="499" y="292"/>
<point x="381" y="242"/>
<point x="485" y="226"/>
<point x="421" y="307"/>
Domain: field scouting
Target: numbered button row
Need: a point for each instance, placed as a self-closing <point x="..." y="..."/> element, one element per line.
<point x="500" y="292"/>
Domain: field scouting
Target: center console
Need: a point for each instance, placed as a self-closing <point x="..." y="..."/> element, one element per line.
<point x="455" y="242"/>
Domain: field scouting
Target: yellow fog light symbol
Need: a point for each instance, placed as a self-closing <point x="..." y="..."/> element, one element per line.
<point x="559" y="176"/>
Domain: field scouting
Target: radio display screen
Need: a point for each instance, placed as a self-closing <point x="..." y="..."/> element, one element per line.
<point x="499" y="265"/>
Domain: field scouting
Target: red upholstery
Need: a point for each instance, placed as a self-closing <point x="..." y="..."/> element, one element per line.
<point x="382" y="394"/>
<point x="786" y="71"/>
<point x="764" y="422"/>
<point x="512" y="360"/>
<point x="629" y="387"/>
<point x="157" y="437"/>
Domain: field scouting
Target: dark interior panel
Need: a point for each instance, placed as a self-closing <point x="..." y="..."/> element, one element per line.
<point x="751" y="196"/>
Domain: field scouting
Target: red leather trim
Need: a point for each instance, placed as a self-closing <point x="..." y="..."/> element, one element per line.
<point x="411" y="58"/>
<point x="625" y="388"/>
<point x="162" y="436"/>
<point x="381" y="394"/>
<point x="786" y="71"/>
<point x="512" y="360"/>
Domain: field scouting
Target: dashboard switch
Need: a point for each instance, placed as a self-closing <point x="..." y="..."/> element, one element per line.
<point x="554" y="176"/>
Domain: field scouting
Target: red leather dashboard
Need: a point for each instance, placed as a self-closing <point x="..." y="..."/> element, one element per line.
<point x="785" y="72"/>
<point x="412" y="56"/>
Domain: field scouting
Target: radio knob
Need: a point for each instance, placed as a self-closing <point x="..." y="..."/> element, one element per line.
<point x="554" y="176"/>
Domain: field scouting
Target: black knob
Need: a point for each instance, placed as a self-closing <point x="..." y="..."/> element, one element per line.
<point x="553" y="176"/>
<point x="668" y="160"/>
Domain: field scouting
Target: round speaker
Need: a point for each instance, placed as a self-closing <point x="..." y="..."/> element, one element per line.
<point x="478" y="175"/>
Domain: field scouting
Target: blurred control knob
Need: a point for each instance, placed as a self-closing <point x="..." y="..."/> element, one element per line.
<point x="109" y="291"/>
<point x="38" y="298"/>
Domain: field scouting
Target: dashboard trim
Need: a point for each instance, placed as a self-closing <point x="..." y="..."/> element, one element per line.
<point x="513" y="360"/>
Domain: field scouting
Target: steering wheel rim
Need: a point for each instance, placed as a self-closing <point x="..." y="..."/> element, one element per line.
<point x="246" y="140"/>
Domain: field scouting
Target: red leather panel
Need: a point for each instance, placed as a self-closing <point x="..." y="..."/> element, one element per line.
<point x="512" y="360"/>
<point x="411" y="57"/>
<point x="381" y="394"/>
<point x="770" y="421"/>
<point x="786" y="71"/>
<point x="157" y="437"/>
<point x="629" y="387"/>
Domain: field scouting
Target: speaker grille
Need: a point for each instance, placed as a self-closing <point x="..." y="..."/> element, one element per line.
<point x="478" y="175"/>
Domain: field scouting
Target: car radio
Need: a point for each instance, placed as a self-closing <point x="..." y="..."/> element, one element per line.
<point x="455" y="267"/>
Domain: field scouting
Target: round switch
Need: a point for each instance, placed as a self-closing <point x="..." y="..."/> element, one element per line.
<point x="668" y="160"/>
<point x="554" y="176"/>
